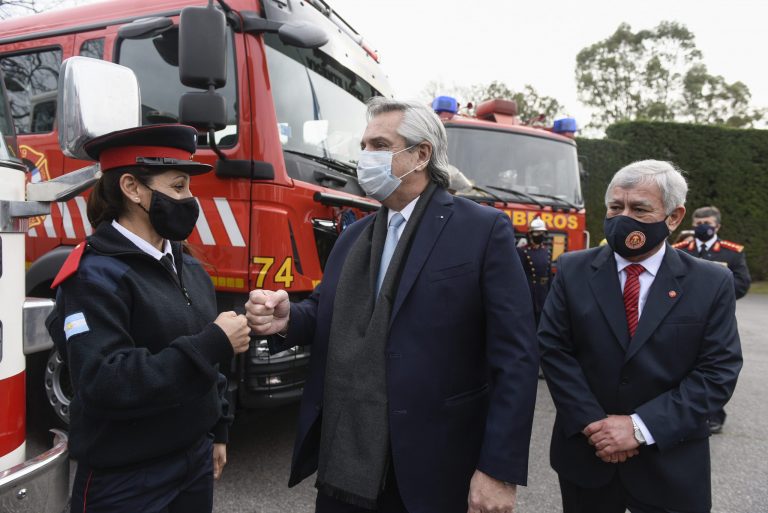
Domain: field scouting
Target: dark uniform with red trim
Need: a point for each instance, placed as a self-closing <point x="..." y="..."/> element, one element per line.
<point x="537" y="263"/>
<point x="144" y="355"/>
<point x="726" y="253"/>
<point x="730" y="255"/>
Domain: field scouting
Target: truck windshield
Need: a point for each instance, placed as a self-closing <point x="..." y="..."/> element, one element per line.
<point x="540" y="167"/>
<point x="155" y="63"/>
<point x="320" y="104"/>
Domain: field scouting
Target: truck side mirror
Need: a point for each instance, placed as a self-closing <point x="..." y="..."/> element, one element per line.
<point x="204" y="111"/>
<point x="145" y="28"/>
<point x="202" y="47"/>
<point x="95" y="97"/>
<point x="203" y="65"/>
<point x="300" y="33"/>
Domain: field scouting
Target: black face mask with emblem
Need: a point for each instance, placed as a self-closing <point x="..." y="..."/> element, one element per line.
<point x="704" y="232"/>
<point x="629" y="237"/>
<point x="172" y="219"/>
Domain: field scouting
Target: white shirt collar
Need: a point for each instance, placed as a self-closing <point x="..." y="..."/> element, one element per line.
<point x="405" y="212"/>
<point x="651" y="264"/>
<point x="708" y="244"/>
<point x="143" y="245"/>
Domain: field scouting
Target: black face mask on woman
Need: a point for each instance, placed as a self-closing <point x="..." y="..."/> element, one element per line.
<point x="629" y="237"/>
<point x="172" y="219"/>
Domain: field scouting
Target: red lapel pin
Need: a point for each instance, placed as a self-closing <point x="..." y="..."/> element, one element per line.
<point x="672" y="294"/>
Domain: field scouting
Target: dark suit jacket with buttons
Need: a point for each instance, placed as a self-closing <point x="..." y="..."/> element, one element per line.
<point x="681" y="366"/>
<point x="462" y="356"/>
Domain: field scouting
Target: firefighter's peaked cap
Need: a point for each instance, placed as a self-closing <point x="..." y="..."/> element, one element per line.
<point x="157" y="147"/>
<point x="537" y="225"/>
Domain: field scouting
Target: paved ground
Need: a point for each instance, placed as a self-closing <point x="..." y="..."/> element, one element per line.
<point x="255" y="478"/>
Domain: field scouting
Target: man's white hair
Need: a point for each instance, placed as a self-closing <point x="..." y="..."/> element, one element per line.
<point x="419" y="124"/>
<point x="666" y="176"/>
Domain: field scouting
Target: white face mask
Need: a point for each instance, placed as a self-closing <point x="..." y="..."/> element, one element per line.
<point x="374" y="173"/>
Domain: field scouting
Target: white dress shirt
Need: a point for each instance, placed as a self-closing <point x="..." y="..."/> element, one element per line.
<point x="651" y="266"/>
<point x="143" y="245"/>
<point x="707" y="244"/>
<point x="406" y="213"/>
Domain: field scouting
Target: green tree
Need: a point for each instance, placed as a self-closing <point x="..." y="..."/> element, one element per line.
<point x="11" y="8"/>
<point x="657" y="75"/>
<point x="16" y="8"/>
<point x="709" y="99"/>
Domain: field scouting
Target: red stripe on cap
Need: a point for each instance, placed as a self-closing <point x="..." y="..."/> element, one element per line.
<point x="12" y="425"/>
<point x="122" y="156"/>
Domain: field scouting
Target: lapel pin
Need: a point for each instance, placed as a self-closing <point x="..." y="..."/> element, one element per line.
<point x="672" y="294"/>
<point x="441" y="217"/>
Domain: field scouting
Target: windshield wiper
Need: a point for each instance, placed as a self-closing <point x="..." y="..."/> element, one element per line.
<point x="561" y="200"/>
<point x="339" y="165"/>
<point x="518" y="193"/>
<point x="488" y="193"/>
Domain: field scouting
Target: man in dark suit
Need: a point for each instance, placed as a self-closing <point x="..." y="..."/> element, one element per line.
<point x="707" y="245"/>
<point x="639" y="347"/>
<point x="422" y="381"/>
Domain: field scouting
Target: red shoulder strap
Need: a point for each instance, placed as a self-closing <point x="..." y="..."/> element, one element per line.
<point x="738" y="248"/>
<point x="70" y="266"/>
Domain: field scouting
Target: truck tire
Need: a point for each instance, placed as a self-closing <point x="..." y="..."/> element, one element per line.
<point x="49" y="389"/>
<point x="58" y="387"/>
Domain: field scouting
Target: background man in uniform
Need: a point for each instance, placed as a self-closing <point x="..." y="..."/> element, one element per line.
<point x="639" y="347"/>
<point x="707" y="245"/>
<point x="422" y="379"/>
<point x="536" y="258"/>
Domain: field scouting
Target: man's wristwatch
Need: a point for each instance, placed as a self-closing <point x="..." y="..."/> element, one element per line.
<point x="638" y="433"/>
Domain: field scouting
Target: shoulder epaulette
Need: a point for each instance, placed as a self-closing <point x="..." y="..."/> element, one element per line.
<point x="71" y="264"/>
<point x="738" y="248"/>
<point x="680" y="245"/>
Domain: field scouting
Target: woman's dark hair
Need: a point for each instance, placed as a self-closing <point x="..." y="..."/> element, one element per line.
<point x="107" y="202"/>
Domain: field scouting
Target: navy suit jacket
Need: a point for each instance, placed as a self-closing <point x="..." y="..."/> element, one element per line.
<point x="461" y="356"/>
<point x="680" y="367"/>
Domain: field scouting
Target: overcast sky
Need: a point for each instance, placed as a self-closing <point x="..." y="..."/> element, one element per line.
<point x="536" y="42"/>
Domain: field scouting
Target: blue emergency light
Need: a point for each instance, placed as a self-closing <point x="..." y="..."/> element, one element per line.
<point x="445" y="104"/>
<point x="565" y="125"/>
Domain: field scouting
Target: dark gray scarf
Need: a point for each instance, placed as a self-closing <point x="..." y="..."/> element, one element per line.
<point x="354" y="440"/>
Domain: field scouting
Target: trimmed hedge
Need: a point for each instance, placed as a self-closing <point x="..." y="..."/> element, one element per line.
<point x="725" y="167"/>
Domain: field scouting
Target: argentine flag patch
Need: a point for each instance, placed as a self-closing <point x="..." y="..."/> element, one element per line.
<point x="75" y="324"/>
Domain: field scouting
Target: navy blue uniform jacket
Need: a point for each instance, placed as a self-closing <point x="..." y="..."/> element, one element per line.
<point x="461" y="356"/>
<point x="680" y="367"/>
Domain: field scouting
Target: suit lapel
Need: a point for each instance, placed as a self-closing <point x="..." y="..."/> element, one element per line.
<point x="664" y="294"/>
<point x="432" y="223"/>
<point x="606" y="288"/>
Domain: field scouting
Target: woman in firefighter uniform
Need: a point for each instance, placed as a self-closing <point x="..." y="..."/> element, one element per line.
<point x="136" y="318"/>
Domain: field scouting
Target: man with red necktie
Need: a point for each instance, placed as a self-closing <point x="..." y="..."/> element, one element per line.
<point x="639" y="347"/>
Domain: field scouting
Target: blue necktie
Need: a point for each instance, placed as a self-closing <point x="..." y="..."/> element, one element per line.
<point x="389" y="248"/>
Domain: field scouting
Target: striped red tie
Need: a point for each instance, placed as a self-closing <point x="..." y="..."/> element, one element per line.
<point x="632" y="296"/>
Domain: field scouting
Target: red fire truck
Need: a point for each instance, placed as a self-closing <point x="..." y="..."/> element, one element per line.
<point x="278" y="92"/>
<point x="30" y="480"/>
<point x="524" y="170"/>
